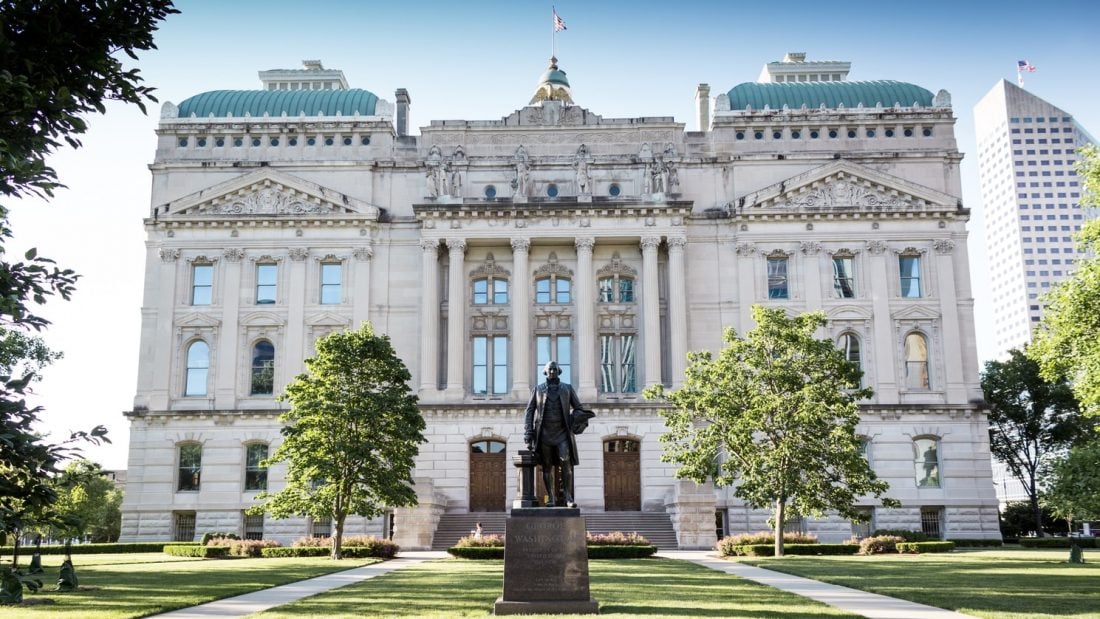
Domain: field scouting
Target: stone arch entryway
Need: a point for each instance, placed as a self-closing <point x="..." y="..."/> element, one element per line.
<point x="622" y="475"/>
<point x="488" y="475"/>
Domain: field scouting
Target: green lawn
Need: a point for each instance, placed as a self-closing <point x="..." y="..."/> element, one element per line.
<point x="997" y="584"/>
<point x="136" y="585"/>
<point x="624" y="588"/>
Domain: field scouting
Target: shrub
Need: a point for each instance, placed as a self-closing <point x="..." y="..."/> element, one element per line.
<point x="768" y="550"/>
<point x="616" y="538"/>
<point x="312" y="542"/>
<point x="727" y="545"/>
<point x="976" y="543"/>
<point x="243" y="547"/>
<point x="1057" y="542"/>
<point x="205" y="552"/>
<point x="206" y="537"/>
<point x="904" y="534"/>
<point x="485" y="541"/>
<point x="362" y="546"/>
<point x="879" y="544"/>
<point x="94" y="549"/>
<point x="629" y="551"/>
<point x="477" y="552"/>
<point x="923" y="547"/>
<point x="295" y="551"/>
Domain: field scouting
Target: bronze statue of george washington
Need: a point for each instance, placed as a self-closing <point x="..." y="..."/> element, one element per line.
<point x="554" y="415"/>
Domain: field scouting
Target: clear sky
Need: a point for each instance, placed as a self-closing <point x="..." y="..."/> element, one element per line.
<point x="481" y="60"/>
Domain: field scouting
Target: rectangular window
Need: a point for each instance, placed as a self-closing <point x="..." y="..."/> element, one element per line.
<point x="202" y="284"/>
<point x="500" y="291"/>
<point x="331" y="281"/>
<point x="626" y="290"/>
<point x="253" y="526"/>
<point x="863" y="527"/>
<point x="927" y="461"/>
<point x="843" y="277"/>
<point x="777" y="279"/>
<point x="321" y="527"/>
<point x="542" y="291"/>
<point x="183" y="526"/>
<point x="564" y="290"/>
<point x="931" y="522"/>
<point x="190" y="467"/>
<point x="617" y="364"/>
<point x="255" y="475"/>
<point x="554" y="348"/>
<point x="910" y="276"/>
<point x="266" y="278"/>
<point x="490" y="361"/>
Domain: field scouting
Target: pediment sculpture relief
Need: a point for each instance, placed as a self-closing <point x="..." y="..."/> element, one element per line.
<point x="267" y="201"/>
<point x="839" y="194"/>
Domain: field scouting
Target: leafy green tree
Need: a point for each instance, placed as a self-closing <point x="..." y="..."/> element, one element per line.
<point x="1018" y="520"/>
<point x="59" y="60"/>
<point x="1031" y="421"/>
<point x="774" y="414"/>
<point x="350" y="436"/>
<point x="1074" y="491"/>
<point x="87" y="503"/>
<point x="1067" y="344"/>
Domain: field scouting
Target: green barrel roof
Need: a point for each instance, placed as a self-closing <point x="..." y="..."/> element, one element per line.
<point x="831" y="94"/>
<point x="220" y="103"/>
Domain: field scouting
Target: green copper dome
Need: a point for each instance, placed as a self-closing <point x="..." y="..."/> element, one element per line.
<point x="554" y="75"/>
<point x="831" y="94"/>
<point x="220" y="103"/>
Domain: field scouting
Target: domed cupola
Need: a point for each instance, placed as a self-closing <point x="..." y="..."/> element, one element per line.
<point x="553" y="85"/>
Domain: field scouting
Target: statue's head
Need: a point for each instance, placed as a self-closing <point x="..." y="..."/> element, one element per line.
<point x="551" y="369"/>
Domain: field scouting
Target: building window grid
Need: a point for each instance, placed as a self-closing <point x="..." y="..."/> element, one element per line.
<point x="931" y="522"/>
<point x="927" y="462"/>
<point x="253" y="526"/>
<point x="190" y="468"/>
<point x="910" y="276"/>
<point x="255" y="474"/>
<point x="262" y="376"/>
<point x="844" y="277"/>
<point x="557" y="347"/>
<point x="320" y="527"/>
<point x="778" y="280"/>
<point x="266" y="283"/>
<point x="198" y="369"/>
<point x="490" y="365"/>
<point x="498" y="287"/>
<point x="916" y="362"/>
<point x="202" y="284"/>
<point x="618" y="370"/>
<point x="553" y="290"/>
<point x="616" y="289"/>
<point x="183" y="527"/>
<point x="331" y="283"/>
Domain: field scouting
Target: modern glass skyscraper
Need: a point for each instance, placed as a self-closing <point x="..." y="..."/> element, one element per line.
<point x="1031" y="199"/>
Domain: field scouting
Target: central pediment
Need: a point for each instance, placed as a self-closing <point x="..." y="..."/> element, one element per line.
<point x="268" y="193"/>
<point x="845" y="185"/>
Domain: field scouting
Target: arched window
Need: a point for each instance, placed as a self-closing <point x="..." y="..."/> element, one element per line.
<point x="490" y="290"/>
<point x="553" y="289"/>
<point x="198" y="368"/>
<point x="263" y="368"/>
<point x="916" y="362"/>
<point x="190" y="467"/>
<point x="616" y="289"/>
<point x="849" y="343"/>
<point x="487" y="447"/>
<point x="926" y="459"/>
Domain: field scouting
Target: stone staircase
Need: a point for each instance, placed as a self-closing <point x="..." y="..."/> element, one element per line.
<point x="654" y="526"/>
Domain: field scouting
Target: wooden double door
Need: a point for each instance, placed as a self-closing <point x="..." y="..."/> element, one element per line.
<point x="622" y="476"/>
<point x="488" y="476"/>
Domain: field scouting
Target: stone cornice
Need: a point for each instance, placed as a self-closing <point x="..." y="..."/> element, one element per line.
<point x="551" y="207"/>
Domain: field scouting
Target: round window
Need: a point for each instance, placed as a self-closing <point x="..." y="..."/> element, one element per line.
<point x="255" y="141"/>
<point x="292" y="141"/>
<point x="832" y="133"/>
<point x="615" y="190"/>
<point x="274" y="141"/>
<point x="851" y="133"/>
<point x="796" y="135"/>
<point x="814" y="135"/>
<point x="311" y="141"/>
<point x="927" y="133"/>
<point x="347" y="141"/>
<point x="329" y="141"/>
<point x="183" y="142"/>
<point x="777" y="135"/>
<point x="219" y="142"/>
<point x="490" y="192"/>
<point x="365" y="141"/>
<point x="552" y="190"/>
<point x="740" y="135"/>
<point x="201" y="142"/>
<point x="238" y="142"/>
<point x="908" y="133"/>
<point x="870" y="133"/>
<point x="889" y="133"/>
<point x="759" y="135"/>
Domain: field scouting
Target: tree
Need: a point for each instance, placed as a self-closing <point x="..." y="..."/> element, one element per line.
<point x="351" y="434"/>
<point x="59" y="60"/>
<point x="1018" y="520"/>
<point x="1067" y="344"/>
<point x="87" y="503"/>
<point x="1031" y="420"/>
<point x="1074" y="491"/>
<point x="775" y="413"/>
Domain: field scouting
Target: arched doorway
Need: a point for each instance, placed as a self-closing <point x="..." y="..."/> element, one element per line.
<point x="622" y="475"/>
<point x="487" y="476"/>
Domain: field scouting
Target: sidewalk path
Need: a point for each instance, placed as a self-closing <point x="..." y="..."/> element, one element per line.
<point x="850" y="600"/>
<point x="265" y="599"/>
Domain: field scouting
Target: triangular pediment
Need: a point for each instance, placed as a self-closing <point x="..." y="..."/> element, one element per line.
<point x="327" y="319"/>
<point x="915" y="312"/>
<point x="262" y="319"/>
<point x="850" y="312"/>
<point x="198" y="321"/>
<point x="844" y="185"/>
<point x="267" y="192"/>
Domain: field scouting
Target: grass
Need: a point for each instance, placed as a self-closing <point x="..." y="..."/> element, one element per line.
<point x="997" y="584"/>
<point x="136" y="585"/>
<point x="624" y="588"/>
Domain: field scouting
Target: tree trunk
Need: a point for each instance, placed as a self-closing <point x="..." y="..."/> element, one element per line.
<point x="1036" y="512"/>
<point x="338" y="537"/>
<point x="780" y="509"/>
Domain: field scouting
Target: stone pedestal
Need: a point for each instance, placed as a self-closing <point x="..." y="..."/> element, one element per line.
<point x="545" y="563"/>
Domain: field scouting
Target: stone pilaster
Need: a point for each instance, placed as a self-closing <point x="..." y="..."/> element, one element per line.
<point x="651" y="312"/>
<point x="360" y="299"/>
<point x="295" y="323"/>
<point x="886" y="387"/>
<point x="677" y="308"/>
<point x="584" y="371"/>
<point x="225" y="380"/>
<point x="521" y="312"/>
<point x="429" y="318"/>
<point x="949" y="310"/>
<point x="456" y="318"/>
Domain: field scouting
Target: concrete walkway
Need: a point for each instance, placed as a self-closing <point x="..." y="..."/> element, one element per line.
<point x="265" y="599"/>
<point x="850" y="600"/>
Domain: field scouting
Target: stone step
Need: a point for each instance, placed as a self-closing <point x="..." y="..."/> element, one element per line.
<point x="654" y="526"/>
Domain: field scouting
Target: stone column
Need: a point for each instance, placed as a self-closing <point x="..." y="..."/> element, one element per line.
<point x="521" y="323"/>
<point x="360" y="292"/>
<point x="225" y="377"/>
<point x="747" y="259"/>
<point x="456" y="319"/>
<point x="949" y="309"/>
<point x="651" y="311"/>
<point x="677" y="307"/>
<point x="886" y="386"/>
<point x="429" y="317"/>
<point x="811" y="250"/>
<point x="584" y="368"/>
<point x="158" y="329"/>
<point x="295" y="322"/>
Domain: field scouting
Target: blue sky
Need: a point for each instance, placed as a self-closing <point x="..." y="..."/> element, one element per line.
<point x="481" y="60"/>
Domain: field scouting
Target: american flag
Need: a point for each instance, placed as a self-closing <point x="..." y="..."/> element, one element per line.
<point x="1023" y="66"/>
<point x="559" y="23"/>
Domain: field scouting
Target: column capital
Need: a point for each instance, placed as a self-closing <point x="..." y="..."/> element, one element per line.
<point x="522" y="244"/>
<point x="429" y="244"/>
<point x="298" y="254"/>
<point x="233" y="254"/>
<point x="584" y="243"/>
<point x="676" y="242"/>
<point x="456" y="246"/>
<point x="169" y="254"/>
<point x="363" y="254"/>
<point x="650" y="242"/>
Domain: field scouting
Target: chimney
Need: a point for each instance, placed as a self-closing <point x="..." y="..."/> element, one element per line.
<point x="702" y="106"/>
<point x="403" y="103"/>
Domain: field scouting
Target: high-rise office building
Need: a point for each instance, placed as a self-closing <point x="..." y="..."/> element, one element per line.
<point x="1031" y="199"/>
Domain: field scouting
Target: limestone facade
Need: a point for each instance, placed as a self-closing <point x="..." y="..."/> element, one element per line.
<point x="613" y="245"/>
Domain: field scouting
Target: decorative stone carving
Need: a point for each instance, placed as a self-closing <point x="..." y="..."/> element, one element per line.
<point x="268" y="201"/>
<point x="584" y="243"/>
<point x="943" y="246"/>
<point x="876" y="247"/>
<point x="616" y="267"/>
<point x="429" y="244"/>
<point x="580" y="164"/>
<point x="676" y="241"/>
<point x="779" y="253"/>
<point x="521" y="244"/>
<point x="265" y="259"/>
<point x="233" y="254"/>
<point x="329" y="258"/>
<point x="553" y="268"/>
<point x="169" y="254"/>
<point x="363" y="254"/>
<point x="456" y="183"/>
<point x="522" y="182"/>
<point x="942" y="99"/>
<point x="844" y="252"/>
<point x="456" y="246"/>
<point x="840" y="193"/>
<point x="745" y="249"/>
<point x="202" y="259"/>
<point x="809" y="247"/>
<point x="489" y="269"/>
<point x="650" y="242"/>
<point x="910" y="251"/>
<point x="298" y="254"/>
